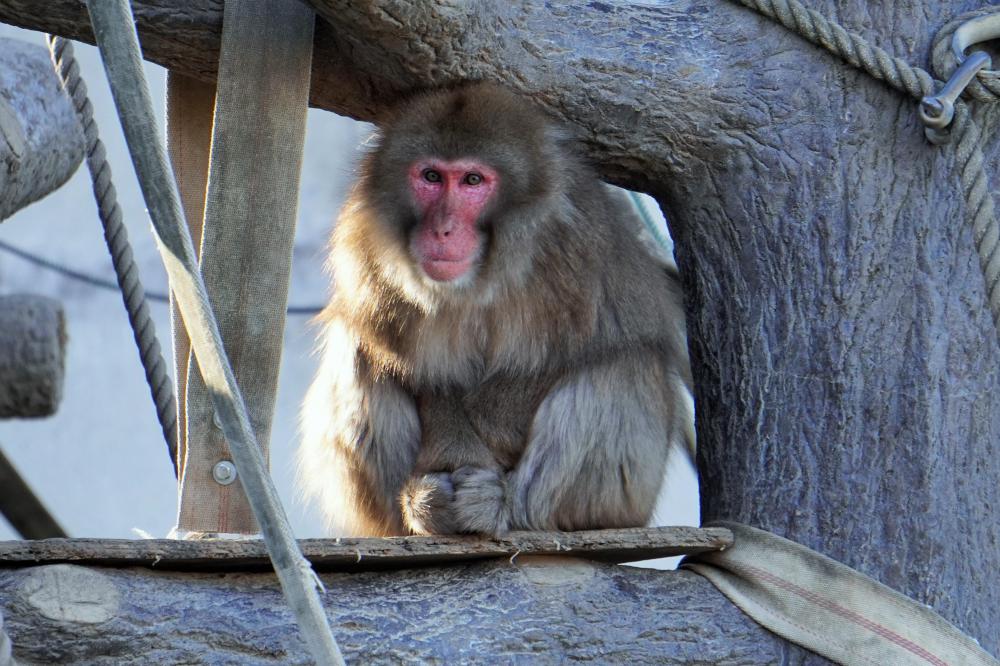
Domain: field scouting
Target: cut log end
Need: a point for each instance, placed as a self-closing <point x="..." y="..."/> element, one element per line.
<point x="32" y="355"/>
<point x="41" y="144"/>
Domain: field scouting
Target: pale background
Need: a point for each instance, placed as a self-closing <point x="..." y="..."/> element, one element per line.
<point x="100" y="464"/>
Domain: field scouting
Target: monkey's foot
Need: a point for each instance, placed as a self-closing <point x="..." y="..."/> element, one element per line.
<point x="427" y="503"/>
<point x="479" y="501"/>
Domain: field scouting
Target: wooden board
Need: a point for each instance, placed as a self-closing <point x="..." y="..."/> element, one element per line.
<point x="365" y="554"/>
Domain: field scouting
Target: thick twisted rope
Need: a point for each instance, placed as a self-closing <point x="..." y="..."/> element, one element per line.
<point x="917" y="83"/>
<point x="133" y="295"/>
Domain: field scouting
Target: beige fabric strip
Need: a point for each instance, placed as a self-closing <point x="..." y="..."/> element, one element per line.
<point x="830" y="608"/>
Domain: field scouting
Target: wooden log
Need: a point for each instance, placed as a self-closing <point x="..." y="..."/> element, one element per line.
<point x="41" y="143"/>
<point x="366" y="554"/>
<point x="32" y="355"/>
<point x="537" y="610"/>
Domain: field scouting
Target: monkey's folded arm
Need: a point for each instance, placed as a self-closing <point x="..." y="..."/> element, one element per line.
<point x="360" y="436"/>
<point x="595" y="457"/>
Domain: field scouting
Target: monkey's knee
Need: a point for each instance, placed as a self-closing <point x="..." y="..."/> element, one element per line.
<point x="480" y="501"/>
<point x="427" y="503"/>
<point x="620" y="498"/>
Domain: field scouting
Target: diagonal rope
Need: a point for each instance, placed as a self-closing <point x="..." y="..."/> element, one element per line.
<point x="917" y="83"/>
<point x="126" y="271"/>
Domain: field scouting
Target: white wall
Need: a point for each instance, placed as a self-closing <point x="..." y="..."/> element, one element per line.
<point x="100" y="463"/>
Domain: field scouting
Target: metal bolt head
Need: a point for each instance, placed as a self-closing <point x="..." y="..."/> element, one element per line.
<point x="936" y="112"/>
<point x="224" y="472"/>
<point x="932" y="107"/>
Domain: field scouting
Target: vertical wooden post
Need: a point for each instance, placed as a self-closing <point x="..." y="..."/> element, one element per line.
<point x="250" y="201"/>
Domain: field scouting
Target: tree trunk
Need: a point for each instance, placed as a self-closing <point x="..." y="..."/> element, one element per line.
<point x="844" y="359"/>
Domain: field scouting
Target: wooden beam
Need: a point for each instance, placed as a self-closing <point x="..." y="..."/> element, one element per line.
<point x="364" y="554"/>
<point x="22" y="508"/>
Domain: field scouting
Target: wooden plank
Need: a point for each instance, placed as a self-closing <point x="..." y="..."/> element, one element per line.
<point x="366" y="554"/>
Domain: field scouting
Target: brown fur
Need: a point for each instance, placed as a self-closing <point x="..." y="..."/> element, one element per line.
<point x="543" y="392"/>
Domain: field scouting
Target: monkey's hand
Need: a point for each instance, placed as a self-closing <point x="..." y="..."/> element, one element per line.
<point x="479" y="504"/>
<point x="468" y="500"/>
<point x="428" y="504"/>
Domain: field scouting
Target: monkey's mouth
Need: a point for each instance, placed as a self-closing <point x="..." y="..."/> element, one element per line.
<point x="446" y="270"/>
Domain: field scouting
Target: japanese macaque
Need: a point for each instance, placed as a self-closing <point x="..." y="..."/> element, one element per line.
<point x="501" y="352"/>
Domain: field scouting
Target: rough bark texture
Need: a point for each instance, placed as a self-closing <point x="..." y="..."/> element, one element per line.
<point x="846" y="368"/>
<point x="41" y="144"/>
<point x="32" y="355"/>
<point x="536" y="611"/>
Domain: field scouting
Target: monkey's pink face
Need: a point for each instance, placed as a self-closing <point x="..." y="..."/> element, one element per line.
<point x="450" y="197"/>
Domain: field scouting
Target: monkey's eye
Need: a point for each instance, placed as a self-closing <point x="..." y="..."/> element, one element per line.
<point x="473" y="179"/>
<point x="432" y="176"/>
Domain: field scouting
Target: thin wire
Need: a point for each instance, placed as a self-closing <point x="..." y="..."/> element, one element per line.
<point x="102" y="283"/>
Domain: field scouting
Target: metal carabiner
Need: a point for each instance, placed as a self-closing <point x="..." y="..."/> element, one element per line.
<point x="937" y="111"/>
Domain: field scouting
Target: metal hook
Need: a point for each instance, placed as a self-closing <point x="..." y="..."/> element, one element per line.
<point x="937" y="111"/>
<point x="974" y="31"/>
